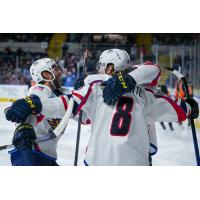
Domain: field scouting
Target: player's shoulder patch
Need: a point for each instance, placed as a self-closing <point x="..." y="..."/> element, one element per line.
<point x="41" y="91"/>
<point x="37" y="88"/>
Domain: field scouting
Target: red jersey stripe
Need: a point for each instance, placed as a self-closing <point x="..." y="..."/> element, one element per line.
<point x="77" y="95"/>
<point x="39" y="118"/>
<point x="180" y="112"/>
<point x="64" y="102"/>
<point x="84" y="99"/>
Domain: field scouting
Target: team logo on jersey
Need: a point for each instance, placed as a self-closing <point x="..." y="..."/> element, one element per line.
<point x="54" y="123"/>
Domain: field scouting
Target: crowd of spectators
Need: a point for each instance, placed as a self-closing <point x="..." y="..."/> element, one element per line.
<point x="14" y="65"/>
<point x="73" y="66"/>
<point x="174" y="38"/>
<point x="24" y="37"/>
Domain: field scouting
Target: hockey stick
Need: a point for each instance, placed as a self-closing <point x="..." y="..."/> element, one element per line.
<point x="183" y="78"/>
<point x="58" y="131"/>
<point x="80" y="114"/>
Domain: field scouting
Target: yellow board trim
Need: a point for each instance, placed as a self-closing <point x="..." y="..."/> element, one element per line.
<point x="4" y="99"/>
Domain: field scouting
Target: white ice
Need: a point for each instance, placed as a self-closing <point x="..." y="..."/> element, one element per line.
<point x="175" y="148"/>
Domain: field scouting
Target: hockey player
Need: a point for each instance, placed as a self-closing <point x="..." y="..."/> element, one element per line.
<point x="146" y="74"/>
<point x="120" y="132"/>
<point x="47" y="75"/>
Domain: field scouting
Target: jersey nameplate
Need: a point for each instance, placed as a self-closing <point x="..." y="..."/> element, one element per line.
<point x="137" y="91"/>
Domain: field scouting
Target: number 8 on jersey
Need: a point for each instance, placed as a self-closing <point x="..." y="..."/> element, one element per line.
<point x="122" y="117"/>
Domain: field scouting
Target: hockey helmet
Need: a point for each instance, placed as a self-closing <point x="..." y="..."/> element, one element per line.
<point x="41" y="65"/>
<point x="119" y="58"/>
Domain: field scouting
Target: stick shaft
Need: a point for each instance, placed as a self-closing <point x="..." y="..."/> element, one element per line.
<point x="80" y="114"/>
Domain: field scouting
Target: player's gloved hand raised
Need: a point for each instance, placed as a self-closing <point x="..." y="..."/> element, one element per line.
<point x="116" y="87"/>
<point x="24" y="137"/>
<point x="22" y="108"/>
<point x="79" y="82"/>
<point x="194" y="108"/>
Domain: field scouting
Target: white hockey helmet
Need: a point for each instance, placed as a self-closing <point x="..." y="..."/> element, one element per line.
<point x="119" y="58"/>
<point x="44" y="64"/>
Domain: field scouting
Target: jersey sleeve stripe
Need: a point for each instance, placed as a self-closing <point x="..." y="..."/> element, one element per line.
<point x="84" y="99"/>
<point x="39" y="118"/>
<point x="155" y="81"/>
<point x="77" y="95"/>
<point x="180" y="112"/>
<point x="151" y="64"/>
<point x="64" y="102"/>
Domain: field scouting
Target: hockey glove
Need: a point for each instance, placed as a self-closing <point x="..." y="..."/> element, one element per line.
<point x="194" y="108"/>
<point x="116" y="87"/>
<point x="24" y="137"/>
<point x="22" y="108"/>
<point x="79" y="82"/>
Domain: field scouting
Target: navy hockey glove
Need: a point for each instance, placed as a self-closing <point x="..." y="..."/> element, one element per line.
<point x="22" y="108"/>
<point x="24" y="137"/>
<point x="194" y="108"/>
<point x="116" y="87"/>
<point x="79" y="82"/>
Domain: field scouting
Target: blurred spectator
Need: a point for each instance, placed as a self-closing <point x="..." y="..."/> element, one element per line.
<point x="64" y="49"/>
<point x="13" y="80"/>
<point x="7" y="50"/>
<point x="22" y="80"/>
<point x="142" y="50"/>
<point x="70" y="77"/>
<point x="19" y="51"/>
<point x="133" y="52"/>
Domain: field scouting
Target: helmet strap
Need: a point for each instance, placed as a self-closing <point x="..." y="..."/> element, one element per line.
<point x="48" y="80"/>
<point x="53" y="85"/>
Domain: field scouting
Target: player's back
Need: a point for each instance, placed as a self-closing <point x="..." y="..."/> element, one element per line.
<point x="119" y="133"/>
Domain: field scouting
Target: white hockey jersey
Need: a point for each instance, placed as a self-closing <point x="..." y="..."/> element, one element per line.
<point x="120" y="133"/>
<point x="48" y="119"/>
<point x="147" y="75"/>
